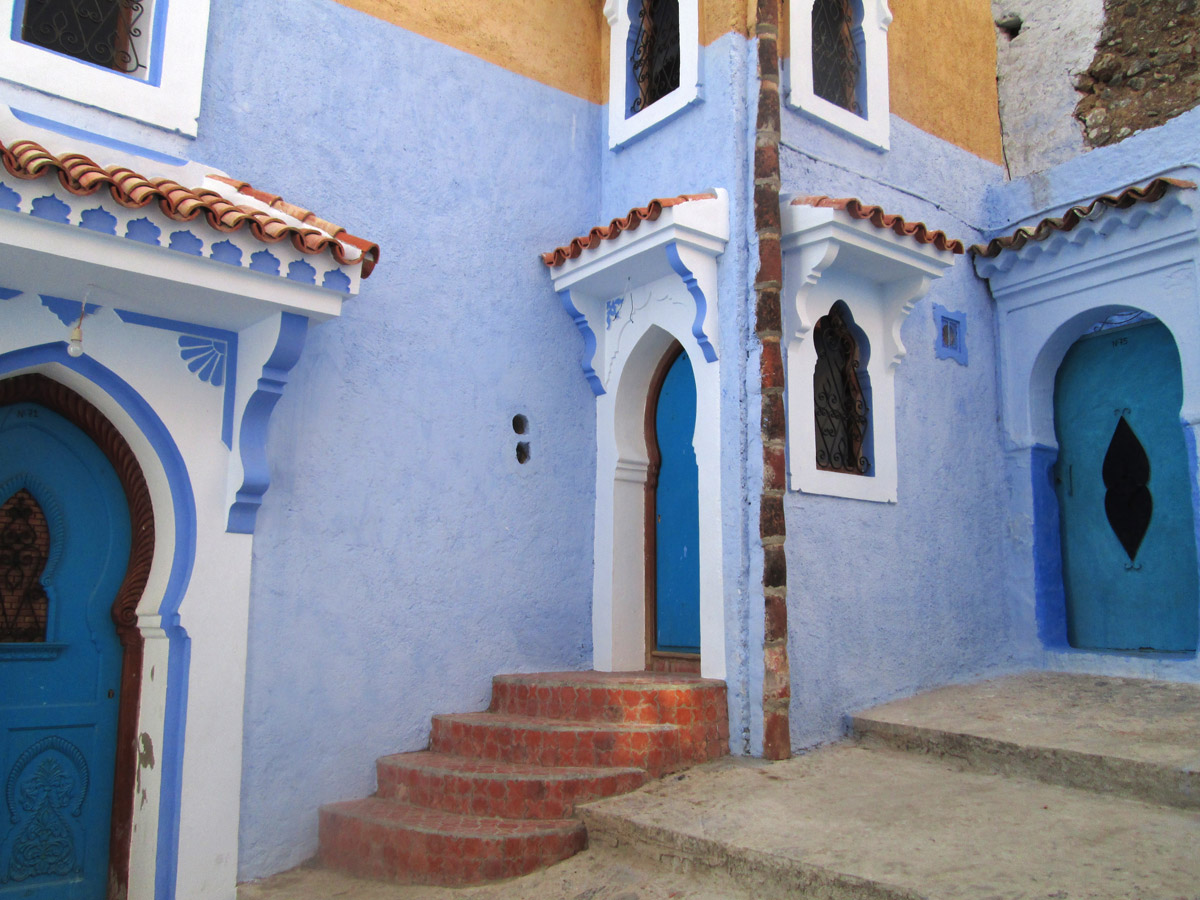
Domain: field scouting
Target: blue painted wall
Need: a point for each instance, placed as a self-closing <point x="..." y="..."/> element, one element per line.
<point x="402" y="555"/>
<point x="709" y="145"/>
<point x="885" y="600"/>
<point x="1033" y="576"/>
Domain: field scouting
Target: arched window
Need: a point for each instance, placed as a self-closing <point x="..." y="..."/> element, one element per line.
<point x="835" y="59"/>
<point x="655" y="50"/>
<point x="840" y="394"/>
<point x="24" y="549"/>
<point x="838" y="67"/>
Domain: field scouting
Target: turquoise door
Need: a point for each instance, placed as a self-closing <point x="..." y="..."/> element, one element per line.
<point x="64" y="546"/>
<point x="1124" y="493"/>
<point x="677" y="514"/>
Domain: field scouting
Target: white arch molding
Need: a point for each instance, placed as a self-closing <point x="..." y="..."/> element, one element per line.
<point x="631" y="297"/>
<point x="1048" y="294"/>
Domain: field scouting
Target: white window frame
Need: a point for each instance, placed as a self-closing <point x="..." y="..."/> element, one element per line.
<point x="171" y="100"/>
<point x="622" y="129"/>
<point x="873" y="129"/>
<point x="829" y="255"/>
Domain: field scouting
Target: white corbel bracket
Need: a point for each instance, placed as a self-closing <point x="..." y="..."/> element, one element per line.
<point x="672" y="260"/>
<point x="830" y="255"/>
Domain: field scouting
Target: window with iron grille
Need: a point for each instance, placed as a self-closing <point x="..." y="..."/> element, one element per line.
<point x="838" y="68"/>
<point x="840" y="394"/>
<point x="835" y="60"/>
<point x="24" y="549"/>
<point x="108" y="33"/>
<point x="654" y="59"/>
<point x="144" y="59"/>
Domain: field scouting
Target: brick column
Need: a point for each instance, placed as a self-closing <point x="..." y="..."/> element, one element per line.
<point x="768" y="325"/>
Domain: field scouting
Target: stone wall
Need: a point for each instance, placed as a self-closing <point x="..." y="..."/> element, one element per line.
<point x="1146" y="69"/>
<point x="1039" y="51"/>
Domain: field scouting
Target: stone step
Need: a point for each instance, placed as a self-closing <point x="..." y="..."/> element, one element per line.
<point x="558" y="742"/>
<point x="495" y="788"/>
<point x="378" y="838"/>
<point x="509" y="790"/>
<point x="694" y="703"/>
<point x="1125" y="736"/>
<point x="850" y="823"/>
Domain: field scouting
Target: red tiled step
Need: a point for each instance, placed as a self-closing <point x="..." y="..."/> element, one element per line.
<point x="698" y="704"/>
<point x="487" y="788"/>
<point x="378" y="838"/>
<point x="558" y="742"/>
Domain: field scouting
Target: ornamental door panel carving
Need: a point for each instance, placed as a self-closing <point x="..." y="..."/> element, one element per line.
<point x="64" y="548"/>
<point x="1124" y="493"/>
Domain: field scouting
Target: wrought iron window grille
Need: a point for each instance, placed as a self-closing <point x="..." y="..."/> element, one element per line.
<point x="655" y="58"/>
<point x="839" y="398"/>
<point x="835" y="58"/>
<point x="24" y="550"/>
<point x="108" y="33"/>
<point x="1121" y="319"/>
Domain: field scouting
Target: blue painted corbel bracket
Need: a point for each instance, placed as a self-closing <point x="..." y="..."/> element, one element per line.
<point x="252" y="437"/>
<point x="689" y="281"/>
<point x="589" y="342"/>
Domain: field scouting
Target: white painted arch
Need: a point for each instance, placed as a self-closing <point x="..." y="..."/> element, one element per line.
<point x="632" y="297"/>
<point x="1048" y="293"/>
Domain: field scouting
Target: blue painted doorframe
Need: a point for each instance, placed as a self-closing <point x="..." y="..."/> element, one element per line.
<point x="59" y="706"/>
<point x="1124" y="494"/>
<point x="676" y="558"/>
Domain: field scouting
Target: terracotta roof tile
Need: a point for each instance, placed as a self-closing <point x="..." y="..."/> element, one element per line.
<point x="629" y="222"/>
<point x="78" y="174"/>
<point x="1152" y="192"/>
<point x="880" y="219"/>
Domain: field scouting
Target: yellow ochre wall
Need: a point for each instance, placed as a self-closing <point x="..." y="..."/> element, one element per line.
<point x="942" y="71"/>
<point x="942" y="53"/>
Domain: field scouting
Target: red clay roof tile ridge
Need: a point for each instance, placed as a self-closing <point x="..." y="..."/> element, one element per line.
<point x="854" y="207"/>
<point x="301" y="214"/>
<point x="629" y="222"/>
<point x="82" y="176"/>
<point x="1153" y="191"/>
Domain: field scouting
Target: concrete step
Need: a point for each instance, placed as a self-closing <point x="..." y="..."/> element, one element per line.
<point x="1130" y="737"/>
<point x="694" y="703"/>
<point x="558" y="742"/>
<point x="509" y="790"/>
<point x="850" y="823"/>
<point x="378" y="838"/>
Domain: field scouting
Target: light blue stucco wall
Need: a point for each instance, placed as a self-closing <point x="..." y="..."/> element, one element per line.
<point x="1033" y="571"/>
<point x="888" y="599"/>
<point x="710" y="145"/>
<point x="402" y="555"/>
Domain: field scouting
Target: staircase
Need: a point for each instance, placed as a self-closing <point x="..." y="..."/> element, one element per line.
<point x="495" y="795"/>
<point x="1045" y="785"/>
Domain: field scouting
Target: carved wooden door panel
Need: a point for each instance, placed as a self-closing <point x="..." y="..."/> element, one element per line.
<point x="64" y="547"/>
<point x="1124" y="492"/>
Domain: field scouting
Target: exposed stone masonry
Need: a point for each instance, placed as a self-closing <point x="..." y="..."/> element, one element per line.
<point x="1146" y="69"/>
<point x="767" y="286"/>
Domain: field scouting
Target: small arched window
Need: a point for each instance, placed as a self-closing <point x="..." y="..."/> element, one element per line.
<point x="654" y="55"/>
<point x="24" y="550"/>
<point x="840" y="394"/>
<point x="835" y="58"/>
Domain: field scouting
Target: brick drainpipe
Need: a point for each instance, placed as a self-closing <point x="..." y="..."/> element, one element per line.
<point x="768" y="286"/>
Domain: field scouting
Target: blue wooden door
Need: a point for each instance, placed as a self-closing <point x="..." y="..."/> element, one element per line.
<point x="64" y="547"/>
<point x="677" y="513"/>
<point x="1124" y="493"/>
